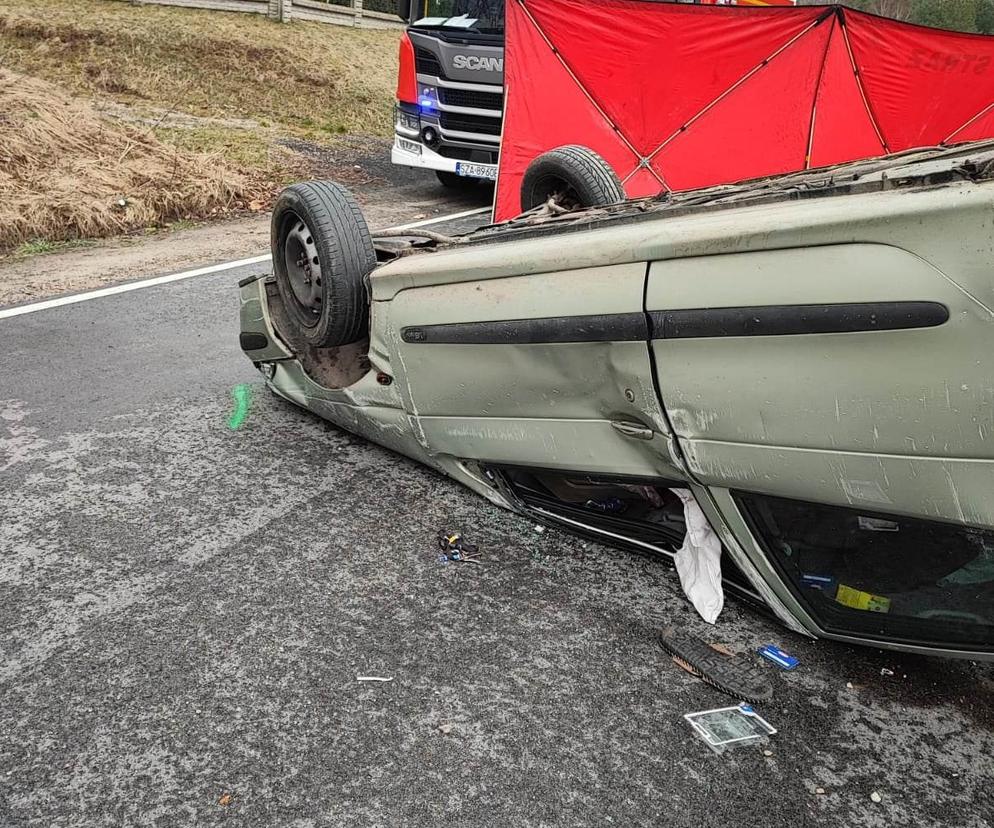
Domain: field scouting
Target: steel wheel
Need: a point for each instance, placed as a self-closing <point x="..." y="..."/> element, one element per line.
<point x="322" y="254"/>
<point x="303" y="267"/>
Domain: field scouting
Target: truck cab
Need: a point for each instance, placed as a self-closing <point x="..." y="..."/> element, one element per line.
<point x="450" y="88"/>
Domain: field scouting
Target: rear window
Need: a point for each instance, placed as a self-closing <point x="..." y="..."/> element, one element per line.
<point x="878" y="575"/>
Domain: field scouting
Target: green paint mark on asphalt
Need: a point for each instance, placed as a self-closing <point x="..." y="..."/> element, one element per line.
<point x="242" y="395"/>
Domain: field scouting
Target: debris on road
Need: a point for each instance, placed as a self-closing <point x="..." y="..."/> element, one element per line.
<point x="886" y="671"/>
<point x="456" y="548"/>
<point x="724" y="727"/>
<point x="732" y="675"/>
<point x="773" y="653"/>
<point x="242" y="395"/>
<point x="698" y="560"/>
<point x="225" y="800"/>
<point x="446" y="727"/>
<point x="374" y="678"/>
<point x="876" y="797"/>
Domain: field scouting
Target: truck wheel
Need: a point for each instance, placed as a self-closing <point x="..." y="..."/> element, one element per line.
<point x="577" y="176"/>
<point x="322" y="254"/>
<point x="451" y="181"/>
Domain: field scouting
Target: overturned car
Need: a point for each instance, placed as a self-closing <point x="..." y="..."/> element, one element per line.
<point x="812" y="355"/>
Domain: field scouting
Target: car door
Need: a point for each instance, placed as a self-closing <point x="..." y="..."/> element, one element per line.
<point x="549" y="369"/>
<point x="837" y="403"/>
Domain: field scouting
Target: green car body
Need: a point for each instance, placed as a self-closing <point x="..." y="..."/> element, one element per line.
<point x="811" y="355"/>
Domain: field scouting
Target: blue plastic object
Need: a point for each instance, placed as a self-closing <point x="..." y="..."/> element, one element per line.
<point x="778" y="657"/>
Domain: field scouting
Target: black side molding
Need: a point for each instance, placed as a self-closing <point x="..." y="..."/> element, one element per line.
<point x="791" y="320"/>
<point x="609" y="327"/>
<point x="253" y="341"/>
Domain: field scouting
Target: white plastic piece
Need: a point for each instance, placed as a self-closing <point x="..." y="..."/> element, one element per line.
<point x="698" y="561"/>
<point x="728" y="726"/>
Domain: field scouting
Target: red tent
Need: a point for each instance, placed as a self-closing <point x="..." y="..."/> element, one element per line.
<point x="678" y="96"/>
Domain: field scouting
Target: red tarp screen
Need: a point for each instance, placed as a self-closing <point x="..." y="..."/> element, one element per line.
<point x="679" y="96"/>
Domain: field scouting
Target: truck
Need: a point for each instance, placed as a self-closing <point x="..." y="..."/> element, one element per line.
<point x="450" y="86"/>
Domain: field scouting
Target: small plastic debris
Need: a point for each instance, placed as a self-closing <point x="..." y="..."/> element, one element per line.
<point x="858" y="599"/>
<point x="242" y="395"/>
<point x="225" y="800"/>
<point x="825" y="583"/>
<point x="456" y="548"/>
<point x="849" y="685"/>
<point x="725" y="727"/>
<point x="445" y="728"/>
<point x="539" y="529"/>
<point x="374" y="678"/>
<point x="876" y="797"/>
<point x="884" y="671"/>
<point x="819" y="791"/>
<point x="778" y="656"/>
<point x="767" y="753"/>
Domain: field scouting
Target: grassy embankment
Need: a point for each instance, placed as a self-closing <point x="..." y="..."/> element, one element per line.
<point x="116" y="117"/>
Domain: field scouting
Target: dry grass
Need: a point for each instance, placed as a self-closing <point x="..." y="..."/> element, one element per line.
<point x="144" y="93"/>
<point x="67" y="173"/>
<point x="309" y="79"/>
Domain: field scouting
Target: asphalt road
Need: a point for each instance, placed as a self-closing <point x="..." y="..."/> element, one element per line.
<point x="185" y="609"/>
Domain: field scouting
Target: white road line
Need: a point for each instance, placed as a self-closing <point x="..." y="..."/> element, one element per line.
<point x="436" y="220"/>
<point x="59" y="301"/>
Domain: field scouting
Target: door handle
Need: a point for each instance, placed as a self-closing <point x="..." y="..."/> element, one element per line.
<point x="636" y="430"/>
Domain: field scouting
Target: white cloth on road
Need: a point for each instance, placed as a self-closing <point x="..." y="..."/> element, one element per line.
<point x="698" y="561"/>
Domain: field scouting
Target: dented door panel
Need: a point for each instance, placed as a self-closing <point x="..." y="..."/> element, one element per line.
<point x="882" y="416"/>
<point x="533" y="368"/>
<point x="838" y="404"/>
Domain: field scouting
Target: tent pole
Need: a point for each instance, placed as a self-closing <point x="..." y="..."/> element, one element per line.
<point x="740" y="81"/>
<point x="958" y="129"/>
<point x="814" y="99"/>
<point x="642" y="161"/>
<point x="862" y="90"/>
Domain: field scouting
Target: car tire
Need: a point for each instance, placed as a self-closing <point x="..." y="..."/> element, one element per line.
<point x="451" y="181"/>
<point x="322" y="254"/>
<point x="579" y="176"/>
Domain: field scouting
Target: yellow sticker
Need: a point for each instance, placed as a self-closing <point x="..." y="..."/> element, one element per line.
<point x="857" y="599"/>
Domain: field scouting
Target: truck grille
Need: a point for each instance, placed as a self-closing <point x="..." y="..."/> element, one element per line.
<point x="469" y="123"/>
<point x="468" y="97"/>
<point x="426" y="63"/>
<point x="467" y="154"/>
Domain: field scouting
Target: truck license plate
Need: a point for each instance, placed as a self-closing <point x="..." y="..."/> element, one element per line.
<point x="476" y="170"/>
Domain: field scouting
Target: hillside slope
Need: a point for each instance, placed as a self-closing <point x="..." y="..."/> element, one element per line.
<point x="66" y="173"/>
<point x="183" y="113"/>
<point x="301" y="76"/>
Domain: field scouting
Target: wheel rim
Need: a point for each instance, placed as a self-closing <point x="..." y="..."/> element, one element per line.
<point x="552" y="186"/>
<point x="303" y="268"/>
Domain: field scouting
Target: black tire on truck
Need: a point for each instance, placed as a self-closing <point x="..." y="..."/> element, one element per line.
<point x="322" y="253"/>
<point x="577" y="176"/>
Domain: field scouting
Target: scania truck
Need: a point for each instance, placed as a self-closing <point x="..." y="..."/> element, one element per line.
<point x="450" y="86"/>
